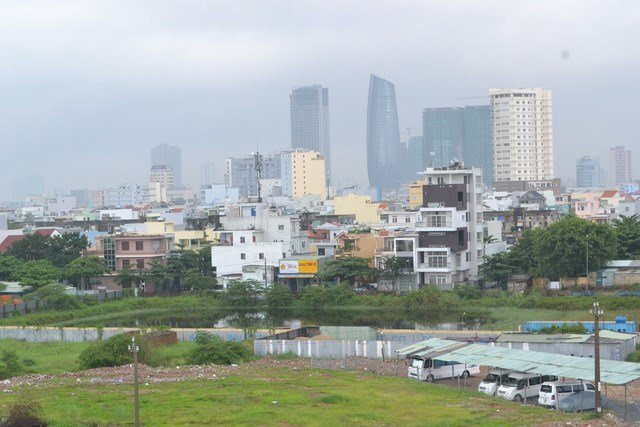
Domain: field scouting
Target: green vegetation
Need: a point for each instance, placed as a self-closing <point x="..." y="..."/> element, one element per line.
<point x="210" y="349"/>
<point x="280" y="397"/>
<point x="114" y="352"/>
<point x="628" y="234"/>
<point x="565" y="328"/>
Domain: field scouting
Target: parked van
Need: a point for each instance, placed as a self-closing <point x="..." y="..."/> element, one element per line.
<point x="552" y="393"/>
<point x="519" y="386"/>
<point x="433" y="369"/>
<point x="492" y="381"/>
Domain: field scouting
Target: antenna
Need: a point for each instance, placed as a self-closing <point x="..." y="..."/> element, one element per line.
<point x="257" y="157"/>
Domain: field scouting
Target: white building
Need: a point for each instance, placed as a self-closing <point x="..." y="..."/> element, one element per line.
<point x="522" y="134"/>
<point x="61" y="205"/>
<point x="125" y="195"/>
<point x="450" y="229"/>
<point x="219" y="194"/>
<point x="230" y="260"/>
<point x="620" y="171"/>
<point x="162" y="174"/>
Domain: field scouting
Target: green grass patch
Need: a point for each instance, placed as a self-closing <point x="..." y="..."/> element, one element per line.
<point x="280" y="397"/>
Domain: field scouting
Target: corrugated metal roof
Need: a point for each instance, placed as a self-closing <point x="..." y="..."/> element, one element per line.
<point x="605" y="334"/>
<point x="425" y="346"/>
<point x="612" y="372"/>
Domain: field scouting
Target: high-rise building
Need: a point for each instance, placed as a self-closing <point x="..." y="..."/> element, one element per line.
<point x="163" y="175"/>
<point x="82" y="197"/>
<point x="309" y="110"/>
<point x="241" y="172"/>
<point x="165" y="154"/>
<point x="522" y="134"/>
<point x="450" y="231"/>
<point x="206" y="175"/>
<point x="477" y="148"/>
<point x="303" y="174"/>
<point x="443" y="130"/>
<point x="620" y="171"/>
<point x="589" y="174"/>
<point x="383" y="135"/>
<point x="414" y="158"/>
<point x="27" y="186"/>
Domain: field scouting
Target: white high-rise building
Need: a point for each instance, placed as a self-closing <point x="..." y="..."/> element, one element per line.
<point x="620" y="166"/>
<point x="522" y="134"/>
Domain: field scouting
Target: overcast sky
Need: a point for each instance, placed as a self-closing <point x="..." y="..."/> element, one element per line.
<point x="88" y="87"/>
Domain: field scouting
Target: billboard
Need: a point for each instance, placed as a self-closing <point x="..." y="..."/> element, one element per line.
<point x="302" y="266"/>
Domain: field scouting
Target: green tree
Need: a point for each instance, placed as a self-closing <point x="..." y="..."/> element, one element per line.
<point x="56" y="297"/>
<point x="561" y="249"/>
<point x="279" y="301"/>
<point x="9" y="267"/>
<point x="392" y="269"/>
<point x="627" y="230"/>
<point x="32" y="248"/>
<point x="157" y="275"/>
<point x="114" y="352"/>
<point x="37" y="273"/>
<point x="128" y="278"/>
<point x="81" y="270"/>
<point x="242" y="299"/>
<point x="196" y="281"/>
<point x="63" y="249"/>
<point x="522" y="256"/>
<point x="353" y="270"/>
<point x="497" y="268"/>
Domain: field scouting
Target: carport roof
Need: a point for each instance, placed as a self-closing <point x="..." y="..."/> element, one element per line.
<point x="534" y="362"/>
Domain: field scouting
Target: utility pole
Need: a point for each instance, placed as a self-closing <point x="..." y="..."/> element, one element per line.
<point x="266" y="282"/>
<point x="587" y="262"/>
<point x="133" y="347"/>
<point x="596" y="312"/>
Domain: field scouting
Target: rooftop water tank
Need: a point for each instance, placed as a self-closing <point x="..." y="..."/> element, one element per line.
<point x="621" y="319"/>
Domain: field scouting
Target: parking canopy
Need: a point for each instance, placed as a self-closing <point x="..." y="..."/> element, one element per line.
<point x="533" y="362"/>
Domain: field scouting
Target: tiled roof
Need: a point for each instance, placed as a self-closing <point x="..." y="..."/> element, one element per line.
<point x="10" y="240"/>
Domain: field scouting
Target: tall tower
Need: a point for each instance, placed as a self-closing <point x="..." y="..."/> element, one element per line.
<point x="169" y="155"/>
<point x="309" y="110"/>
<point x="588" y="173"/>
<point x="620" y="166"/>
<point x="443" y="131"/>
<point x="383" y="135"/>
<point x="522" y="134"/>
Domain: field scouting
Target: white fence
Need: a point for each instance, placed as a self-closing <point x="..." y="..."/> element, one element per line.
<point x="328" y="349"/>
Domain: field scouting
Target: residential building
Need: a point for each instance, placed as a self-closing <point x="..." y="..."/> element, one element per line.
<point x="589" y="174"/>
<point x="125" y="195"/>
<point x="522" y="134"/>
<point x="169" y="155"/>
<point x="61" y="205"/>
<point x="219" y="194"/>
<point x="309" y="110"/>
<point x="414" y="160"/>
<point x="135" y="251"/>
<point x="82" y="196"/>
<point x="241" y="172"/>
<point x="230" y="260"/>
<point x="477" y="147"/>
<point x="163" y="175"/>
<point x="207" y="177"/>
<point x="383" y="135"/>
<point x="450" y="230"/>
<point x="365" y="211"/>
<point x="620" y="171"/>
<point x="303" y="174"/>
<point x="415" y="194"/>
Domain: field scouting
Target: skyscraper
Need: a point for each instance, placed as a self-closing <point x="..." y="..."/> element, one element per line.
<point x="383" y="135"/>
<point x="588" y="173"/>
<point x="414" y="158"/>
<point x="620" y="171"/>
<point x="443" y="130"/>
<point x="169" y="155"/>
<point x="477" y="148"/>
<point x="206" y="174"/>
<point x="522" y="134"/>
<point x="309" y="110"/>
<point x="241" y="172"/>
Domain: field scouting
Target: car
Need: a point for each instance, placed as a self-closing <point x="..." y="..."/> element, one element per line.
<point x="519" y="386"/>
<point x="585" y="400"/>
<point x="552" y="393"/>
<point x="489" y="385"/>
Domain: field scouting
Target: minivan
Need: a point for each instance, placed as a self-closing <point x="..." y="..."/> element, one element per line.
<point x="553" y="393"/>
<point x="492" y="381"/>
<point x="519" y="386"/>
<point x="433" y="369"/>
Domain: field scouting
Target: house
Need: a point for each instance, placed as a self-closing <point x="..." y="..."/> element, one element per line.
<point x="532" y="200"/>
<point x="519" y="283"/>
<point x="356" y="244"/>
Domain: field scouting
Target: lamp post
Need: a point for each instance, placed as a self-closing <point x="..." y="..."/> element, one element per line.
<point x="463" y="313"/>
<point x="596" y="312"/>
<point x="133" y="347"/>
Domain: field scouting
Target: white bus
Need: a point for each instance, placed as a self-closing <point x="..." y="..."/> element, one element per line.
<point x="433" y="369"/>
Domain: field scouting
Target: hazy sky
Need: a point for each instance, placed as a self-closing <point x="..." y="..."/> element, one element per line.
<point x="88" y="87"/>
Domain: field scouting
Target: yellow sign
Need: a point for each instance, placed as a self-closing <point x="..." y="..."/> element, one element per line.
<point x="303" y="266"/>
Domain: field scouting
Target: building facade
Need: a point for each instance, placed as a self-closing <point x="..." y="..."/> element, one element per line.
<point x="163" y="175"/>
<point x="450" y="228"/>
<point x="207" y="177"/>
<point x="135" y="251"/>
<point x="522" y="134"/>
<point x="241" y="172"/>
<point x="383" y="135"/>
<point x="170" y="155"/>
<point x="443" y="130"/>
<point x="477" y="148"/>
<point x="309" y="110"/>
<point x="620" y="171"/>
<point x="125" y="195"/>
<point x="303" y="174"/>
<point x="589" y="174"/>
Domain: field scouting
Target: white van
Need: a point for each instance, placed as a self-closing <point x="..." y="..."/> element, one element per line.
<point x="433" y="369"/>
<point x="519" y="386"/>
<point x="553" y="393"/>
<point x="492" y="381"/>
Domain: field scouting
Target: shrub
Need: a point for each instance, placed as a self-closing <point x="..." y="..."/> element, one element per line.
<point x="114" y="352"/>
<point x="56" y="297"/>
<point x="10" y="365"/>
<point x="565" y="328"/>
<point x="211" y="349"/>
<point x="25" y="413"/>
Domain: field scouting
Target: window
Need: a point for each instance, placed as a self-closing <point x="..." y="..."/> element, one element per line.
<point x="261" y="255"/>
<point x="394" y="219"/>
<point x="126" y="263"/>
<point x="281" y="227"/>
<point x="155" y="245"/>
<point x="535" y="381"/>
<point x="139" y="264"/>
<point x="139" y="245"/>
<point x="243" y="256"/>
<point x="436" y="259"/>
<point x="321" y="251"/>
<point x="407" y="219"/>
<point x="125" y="246"/>
<point x="242" y="240"/>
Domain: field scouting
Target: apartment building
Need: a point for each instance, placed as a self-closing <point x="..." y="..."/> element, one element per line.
<point x="303" y="174"/>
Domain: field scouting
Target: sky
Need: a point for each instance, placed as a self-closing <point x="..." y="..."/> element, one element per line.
<point x="87" y="88"/>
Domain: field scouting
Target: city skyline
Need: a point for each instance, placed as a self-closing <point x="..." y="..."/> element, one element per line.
<point x="219" y="82"/>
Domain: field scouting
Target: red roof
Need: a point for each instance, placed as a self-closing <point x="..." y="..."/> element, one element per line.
<point x="609" y="193"/>
<point x="46" y="232"/>
<point x="10" y="240"/>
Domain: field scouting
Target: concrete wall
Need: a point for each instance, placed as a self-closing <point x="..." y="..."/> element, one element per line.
<point x="328" y="349"/>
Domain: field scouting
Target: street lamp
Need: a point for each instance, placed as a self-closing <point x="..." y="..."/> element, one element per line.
<point x="463" y="313"/>
<point x="596" y="312"/>
<point x="133" y="347"/>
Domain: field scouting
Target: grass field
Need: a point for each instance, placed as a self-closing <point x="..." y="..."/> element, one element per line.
<point x="57" y="357"/>
<point x="278" y="397"/>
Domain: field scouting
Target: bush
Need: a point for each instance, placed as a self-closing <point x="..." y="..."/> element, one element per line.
<point x="565" y="328"/>
<point x="25" y="413"/>
<point x="56" y="297"/>
<point x="211" y="349"/>
<point x="114" y="352"/>
<point x="10" y="365"/>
